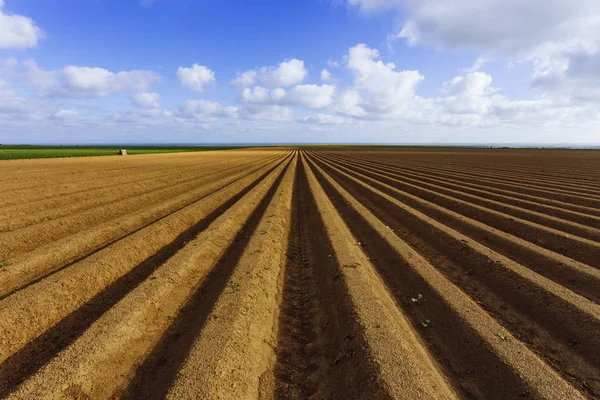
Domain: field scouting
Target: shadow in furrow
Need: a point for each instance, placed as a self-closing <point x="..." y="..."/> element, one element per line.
<point x="40" y="351"/>
<point x="321" y="352"/>
<point x="139" y="228"/>
<point x="156" y="375"/>
<point x="474" y="370"/>
<point x="528" y="257"/>
<point x="532" y="314"/>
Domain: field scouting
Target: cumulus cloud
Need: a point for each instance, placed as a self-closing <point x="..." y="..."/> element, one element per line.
<point x="10" y="103"/>
<point x="196" y="77"/>
<point x="65" y="115"/>
<point x="502" y="25"/>
<point x="146" y="100"/>
<point x="209" y="111"/>
<point x="376" y="5"/>
<point x="472" y="84"/>
<point x="568" y="69"/>
<point x="311" y="96"/>
<point x="325" y="119"/>
<point x="561" y="38"/>
<point x="471" y="93"/>
<point x="378" y="87"/>
<point x="268" y="113"/>
<point x="381" y="92"/>
<point x="17" y="31"/>
<point x="205" y="110"/>
<point x="262" y="95"/>
<point x="245" y="79"/>
<point x="155" y="112"/>
<point x="349" y="103"/>
<point x="85" y="81"/>
<point x="287" y="73"/>
<point x="325" y="75"/>
<point x="101" y="82"/>
<point x="477" y="65"/>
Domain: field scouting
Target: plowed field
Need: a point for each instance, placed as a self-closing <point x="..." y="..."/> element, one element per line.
<point x="322" y="272"/>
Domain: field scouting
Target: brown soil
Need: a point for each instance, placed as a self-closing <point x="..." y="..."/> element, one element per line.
<point x="325" y="273"/>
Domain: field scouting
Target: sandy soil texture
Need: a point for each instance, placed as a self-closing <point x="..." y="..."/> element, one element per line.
<point x="293" y="273"/>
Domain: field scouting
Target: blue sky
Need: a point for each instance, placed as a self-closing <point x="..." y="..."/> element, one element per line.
<point x="396" y="71"/>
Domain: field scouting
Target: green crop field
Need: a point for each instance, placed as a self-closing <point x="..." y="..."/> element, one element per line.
<point x="14" y="152"/>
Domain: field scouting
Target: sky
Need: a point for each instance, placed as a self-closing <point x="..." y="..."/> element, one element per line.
<point x="300" y="71"/>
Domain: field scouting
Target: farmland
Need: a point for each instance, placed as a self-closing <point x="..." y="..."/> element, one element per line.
<point x="17" y="152"/>
<point x="322" y="272"/>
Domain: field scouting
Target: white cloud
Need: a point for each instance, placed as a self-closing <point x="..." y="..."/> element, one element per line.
<point x="268" y="113"/>
<point x="205" y="110"/>
<point x="146" y="100"/>
<point x="261" y="95"/>
<point x="560" y="37"/>
<point x="376" y="5"/>
<point x="325" y="75"/>
<point x="378" y="88"/>
<point x="568" y="69"/>
<point x="8" y="69"/>
<point x="348" y="103"/>
<point x="10" y="103"/>
<point x="155" y="112"/>
<point x="287" y="73"/>
<point x="326" y="119"/>
<point x="101" y="82"/>
<point x="379" y="92"/>
<point x="17" y="31"/>
<point x="311" y="96"/>
<point x="45" y="82"/>
<point x="89" y="80"/>
<point x="86" y="81"/>
<point x="196" y="77"/>
<point x="471" y="93"/>
<point x="334" y="63"/>
<point x="65" y="115"/>
<point x="245" y="79"/>
<point x="477" y="65"/>
<point x="511" y="26"/>
<point x="473" y="84"/>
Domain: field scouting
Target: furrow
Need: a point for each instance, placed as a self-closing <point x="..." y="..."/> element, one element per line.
<point x="542" y="175"/>
<point x="44" y="260"/>
<point x="67" y="190"/>
<point x="229" y="354"/>
<point x="575" y="275"/>
<point x="22" y="216"/>
<point x="542" y="163"/>
<point x="28" y="313"/>
<point x="54" y="178"/>
<point x="511" y="198"/>
<point x="554" y="322"/>
<point x="549" y="180"/>
<point x="29" y="238"/>
<point x="115" y="345"/>
<point x="565" y="203"/>
<point x="405" y="368"/>
<point x="461" y="334"/>
<point x="562" y="195"/>
<point x="40" y="195"/>
<point x="535" y="229"/>
<point x="316" y="338"/>
<point x="325" y="272"/>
